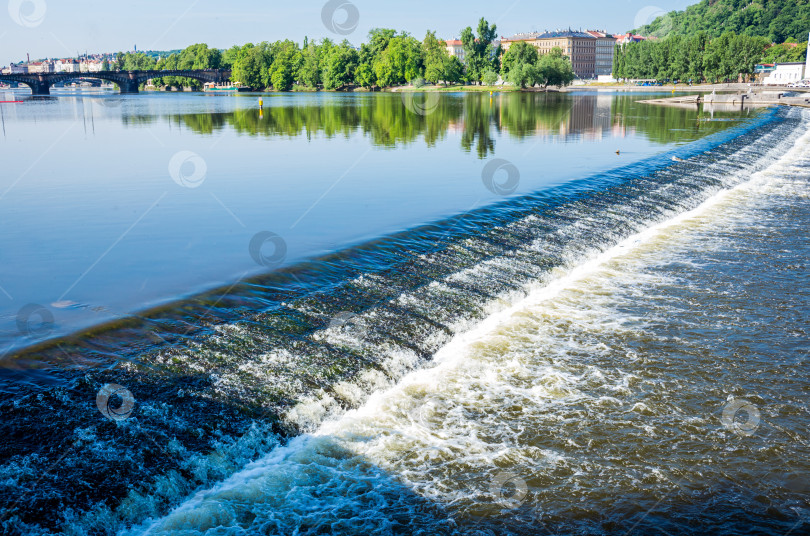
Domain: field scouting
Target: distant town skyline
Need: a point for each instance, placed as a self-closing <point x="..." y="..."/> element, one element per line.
<point x="49" y="29"/>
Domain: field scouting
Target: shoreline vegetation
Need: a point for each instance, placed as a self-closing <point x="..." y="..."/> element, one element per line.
<point x="396" y="61"/>
<point x="503" y="88"/>
<point x="388" y="59"/>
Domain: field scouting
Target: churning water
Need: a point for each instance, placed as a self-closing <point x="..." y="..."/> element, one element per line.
<point x="622" y="354"/>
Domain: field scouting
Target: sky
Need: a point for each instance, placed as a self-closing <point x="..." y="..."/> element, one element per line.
<point x="51" y="29"/>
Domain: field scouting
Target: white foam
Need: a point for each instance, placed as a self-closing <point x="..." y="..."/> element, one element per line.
<point x="456" y="357"/>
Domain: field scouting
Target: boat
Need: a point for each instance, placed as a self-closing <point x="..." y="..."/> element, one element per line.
<point x="226" y="88"/>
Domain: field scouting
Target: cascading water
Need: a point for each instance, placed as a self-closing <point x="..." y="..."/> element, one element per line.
<point x="573" y="402"/>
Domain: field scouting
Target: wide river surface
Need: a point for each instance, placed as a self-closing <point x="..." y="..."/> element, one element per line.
<point x="402" y="314"/>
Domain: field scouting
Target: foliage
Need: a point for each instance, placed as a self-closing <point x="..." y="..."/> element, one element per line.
<point x="522" y="66"/>
<point x="194" y="57"/>
<point x="388" y="58"/>
<point x="489" y="78"/>
<point x="519" y="65"/>
<point x="697" y="58"/>
<point x="479" y="52"/>
<point x="453" y="70"/>
<point x="434" y="56"/>
<point x="137" y="61"/>
<point x="340" y="66"/>
<point x="554" y="69"/>
<point x="777" y="20"/>
<point x="786" y="52"/>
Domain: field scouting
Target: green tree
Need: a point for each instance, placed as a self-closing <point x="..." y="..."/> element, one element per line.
<point x="554" y="69"/>
<point x="786" y="52"/>
<point x="489" y="78"/>
<point x="199" y="56"/>
<point x="405" y="54"/>
<point x="283" y="69"/>
<point x="253" y="66"/>
<point x="453" y="70"/>
<point x="340" y="66"/>
<point x="479" y="52"/>
<point x="378" y="39"/>
<point x="435" y="55"/>
<point x="517" y="57"/>
<point x="384" y="72"/>
<point x="696" y="49"/>
<point x="230" y="56"/>
<point x="309" y="74"/>
<point x="138" y="61"/>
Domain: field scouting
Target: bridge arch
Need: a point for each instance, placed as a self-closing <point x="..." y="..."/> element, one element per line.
<point x="128" y="81"/>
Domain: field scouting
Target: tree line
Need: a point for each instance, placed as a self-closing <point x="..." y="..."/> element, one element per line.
<point x="695" y="59"/>
<point x="388" y="58"/>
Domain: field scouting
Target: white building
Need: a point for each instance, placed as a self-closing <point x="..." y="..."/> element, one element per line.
<point x="605" y="49"/>
<point x="90" y="66"/>
<point x="66" y="66"/>
<point x="785" y="73"/>
<point x="456" y="48"/>
<point x="807" y="66"/>
<point x="18" y="68"/>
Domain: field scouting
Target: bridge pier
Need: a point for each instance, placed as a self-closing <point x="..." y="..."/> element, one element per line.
<point x="129" y="87"/>
<point x="40" y="88"/>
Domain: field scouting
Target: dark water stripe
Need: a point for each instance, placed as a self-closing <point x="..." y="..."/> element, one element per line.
<point x="230" y="365"/>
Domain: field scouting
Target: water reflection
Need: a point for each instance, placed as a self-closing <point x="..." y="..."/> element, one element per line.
<point x="93" y="172"/>
<point x="478" y="118"/>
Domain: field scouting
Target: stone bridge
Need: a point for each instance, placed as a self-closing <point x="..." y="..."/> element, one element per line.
<point x="128" y="81"/>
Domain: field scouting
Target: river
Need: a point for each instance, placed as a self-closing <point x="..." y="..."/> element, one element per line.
<point x="387" y="314"/>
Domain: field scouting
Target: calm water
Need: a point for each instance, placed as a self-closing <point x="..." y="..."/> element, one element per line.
<point x="584" y="342"/>
<point x="96" y="225"/>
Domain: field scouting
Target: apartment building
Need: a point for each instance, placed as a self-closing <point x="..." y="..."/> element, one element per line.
<point x="67" y="66"/>
<point x="605" y="50"/>
<point x="580" y="47"/>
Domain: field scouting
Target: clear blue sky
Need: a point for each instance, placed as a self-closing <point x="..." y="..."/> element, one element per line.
<point x="61" y="28"/>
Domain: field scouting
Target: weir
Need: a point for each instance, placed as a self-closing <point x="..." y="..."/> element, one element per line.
<point x="276" y="356"/>
<point x="760" y="98"/>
